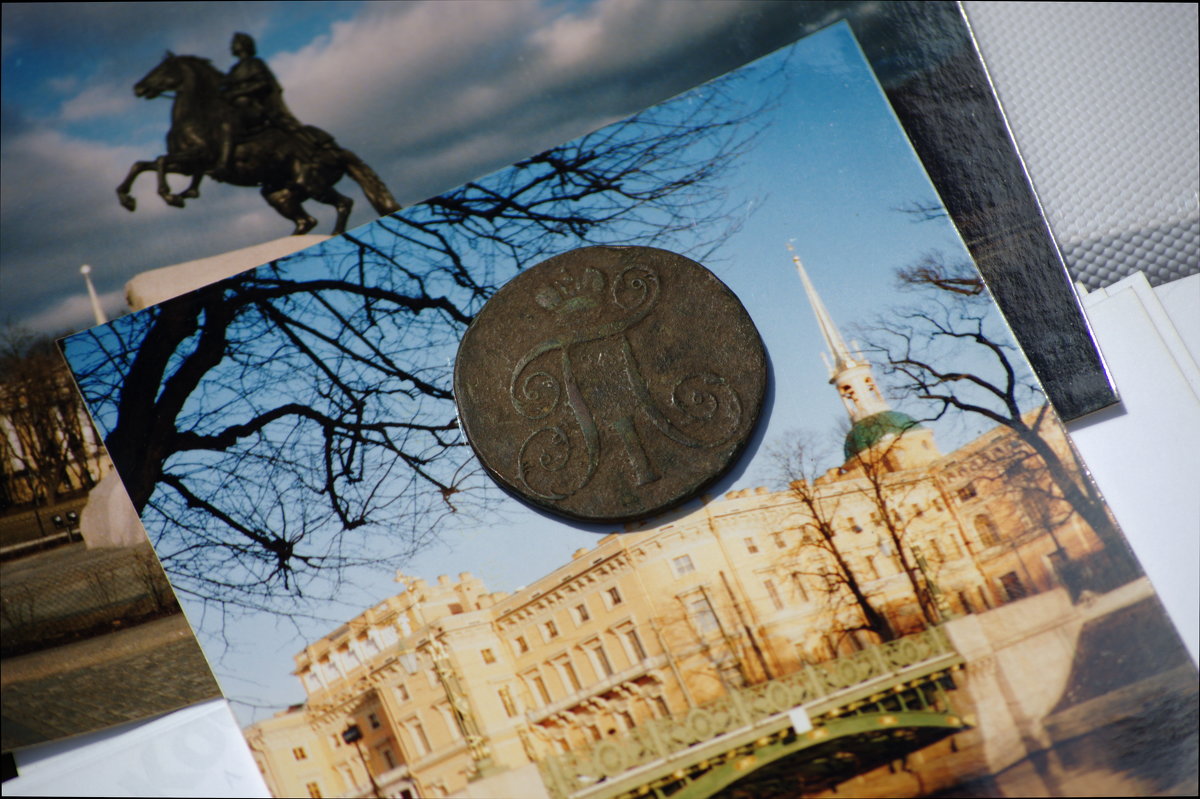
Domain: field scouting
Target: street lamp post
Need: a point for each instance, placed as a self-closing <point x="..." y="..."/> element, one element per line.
<point x="353" y="735"/>
<point x="97" y="311"/>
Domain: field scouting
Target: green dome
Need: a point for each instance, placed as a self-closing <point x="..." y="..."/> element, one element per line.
<point x="867" y="432"/>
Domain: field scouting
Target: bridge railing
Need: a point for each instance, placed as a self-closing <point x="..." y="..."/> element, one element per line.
<point x="818" y="687"/>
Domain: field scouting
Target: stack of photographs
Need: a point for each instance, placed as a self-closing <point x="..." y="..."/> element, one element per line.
<point x="906" y="585"/>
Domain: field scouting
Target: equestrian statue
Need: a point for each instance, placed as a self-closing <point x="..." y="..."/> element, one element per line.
<point x="236" y="129"/>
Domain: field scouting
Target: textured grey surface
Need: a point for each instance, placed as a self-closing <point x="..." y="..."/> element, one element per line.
<point x="1102" y="102"/>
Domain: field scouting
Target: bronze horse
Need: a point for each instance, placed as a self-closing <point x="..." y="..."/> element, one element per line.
<point x="288" y="168"/>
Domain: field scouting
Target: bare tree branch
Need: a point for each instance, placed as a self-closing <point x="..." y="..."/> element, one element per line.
<point x="274" y="428"/>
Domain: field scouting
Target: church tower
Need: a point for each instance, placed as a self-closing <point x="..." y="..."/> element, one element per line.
<point x="873" y="422"/>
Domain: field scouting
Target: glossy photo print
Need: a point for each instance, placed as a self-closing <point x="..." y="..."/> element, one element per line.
<point x="904" y="585"/>
<point x="92" y="633"/>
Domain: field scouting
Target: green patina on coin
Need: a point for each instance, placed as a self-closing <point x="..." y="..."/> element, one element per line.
<point x="610" y="383"/>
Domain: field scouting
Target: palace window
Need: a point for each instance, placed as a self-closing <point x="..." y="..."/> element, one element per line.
<point x="637" y="651"/>
<point x="985" y="528"/>
<point x="798" y="582"/>
<point x="418" y="734"/>
<point x="683" y="565"/>
<point x="299" y="753"/>
<point x="614" y="596"/>
<point x="388" y="756"/>
<point x="314" y="790"/>
<point x="506" y="700"/>
<point x="373" y="719"/>
<point x="581" y="613"/>
<point x="566" y="670"/>
<point x="522" y="644"/>
<point x="773" y="593"/>
<point x="967" y="492"/>
<point x="450" y="722"/>
<point x="402" y="692"/>
<point x="488" y="656"/>
<point x="751" y="547"/>
<point x="549" y="630"/>
<point x="779" y="542"/>
<point x="702" y="615"/>
<point x="540" y="685"/>
<point x="1014" y="589"/>
<point x="600" y="660"/>
<point x="387" y="636"/>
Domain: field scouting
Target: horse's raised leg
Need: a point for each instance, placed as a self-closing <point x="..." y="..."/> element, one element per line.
<point x="193" y="190"/>
<point x="127" y="201"/>
<point x="164" y="189"/>
<point x="341" y="202"/>
<point x="286" y="201"/>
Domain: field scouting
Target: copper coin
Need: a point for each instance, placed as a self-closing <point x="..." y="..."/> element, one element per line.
<point x="610" y="383"/>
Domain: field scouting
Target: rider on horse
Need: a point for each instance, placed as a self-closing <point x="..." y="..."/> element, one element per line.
<point x="257" y="100"/>
<point x="237" y="129"/>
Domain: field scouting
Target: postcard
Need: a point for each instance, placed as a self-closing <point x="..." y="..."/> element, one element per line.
<point x="93" y="635"/>
<point x="906" y="584"/>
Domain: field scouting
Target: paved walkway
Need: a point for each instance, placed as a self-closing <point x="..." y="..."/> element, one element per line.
<point x="150" y="669"/>
<point x="125" y="674"/>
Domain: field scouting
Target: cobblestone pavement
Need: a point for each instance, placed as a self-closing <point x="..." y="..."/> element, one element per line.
<point x="122" y="677"/>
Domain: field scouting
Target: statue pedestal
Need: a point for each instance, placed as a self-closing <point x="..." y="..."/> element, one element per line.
<point x="157" y="285"/>
<point x="108" y="519"/>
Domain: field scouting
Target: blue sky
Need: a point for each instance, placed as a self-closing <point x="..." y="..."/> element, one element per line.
<point x="827" y="174"/>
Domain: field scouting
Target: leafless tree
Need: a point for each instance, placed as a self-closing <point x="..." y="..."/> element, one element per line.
<point x="886" y="492"/>
<point x="796" y="463"/>
<point x="47" y="444"/>
<point x="950" y="351"/>
<point x="278" y="429"/>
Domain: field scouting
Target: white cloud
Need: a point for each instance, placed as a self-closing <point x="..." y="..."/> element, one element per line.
<point x="60" y="211"/>
<point x="97" y="101"/>
<point x="411" y="87"/>
<point x="74" y="312"/>
<point x="64" y="84"/>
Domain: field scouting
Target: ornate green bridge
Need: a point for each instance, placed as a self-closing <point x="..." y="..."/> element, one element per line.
<point x="864" y="710"/>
